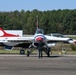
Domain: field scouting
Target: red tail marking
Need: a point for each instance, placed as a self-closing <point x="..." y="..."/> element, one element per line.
<point x="7" y="34"/>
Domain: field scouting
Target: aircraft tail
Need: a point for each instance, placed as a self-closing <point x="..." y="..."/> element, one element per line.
<point x="37" y="23"/>
<point x="5" y="34"/>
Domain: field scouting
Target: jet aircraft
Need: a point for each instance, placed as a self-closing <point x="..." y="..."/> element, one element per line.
<point x="39" y="41"/>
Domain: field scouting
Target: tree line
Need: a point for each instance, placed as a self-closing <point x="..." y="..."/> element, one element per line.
<point x="51" y="21"/>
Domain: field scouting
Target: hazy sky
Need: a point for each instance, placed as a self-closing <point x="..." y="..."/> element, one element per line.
<point x="42" y="5"/>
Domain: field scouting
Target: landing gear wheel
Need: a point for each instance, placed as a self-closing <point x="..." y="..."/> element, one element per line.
<point x="22" y="51"/>
<point x="28" y="53"/>
<point x="48" y="52"/>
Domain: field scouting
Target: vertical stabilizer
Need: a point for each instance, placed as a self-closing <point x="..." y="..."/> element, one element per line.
<point x="5" y="34"/>
<point x="37" y="22"/>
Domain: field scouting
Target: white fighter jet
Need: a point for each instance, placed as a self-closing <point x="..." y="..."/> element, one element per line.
<point x="39" y="41"/>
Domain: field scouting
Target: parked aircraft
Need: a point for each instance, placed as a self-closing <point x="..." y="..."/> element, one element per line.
<point x="39" y="41"/>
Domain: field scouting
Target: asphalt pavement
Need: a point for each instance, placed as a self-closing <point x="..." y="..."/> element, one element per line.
<point x="23" y="65"/>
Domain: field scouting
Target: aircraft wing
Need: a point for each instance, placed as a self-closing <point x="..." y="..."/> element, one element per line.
<point x="24" y="42"/>
<point x="52" y="39"/>
<point x="8" y="42"/>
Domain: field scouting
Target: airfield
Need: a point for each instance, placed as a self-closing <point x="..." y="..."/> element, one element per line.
<point x="14" y="64"/>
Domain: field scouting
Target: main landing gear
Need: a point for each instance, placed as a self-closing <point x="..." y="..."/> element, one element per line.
<point x="46" y="50"/>
<point x="22" y="51"/>
<point x="28" y="53"/>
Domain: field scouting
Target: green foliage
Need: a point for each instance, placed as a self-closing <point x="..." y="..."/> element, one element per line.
<point x="73" y="47"/>
<point x="60" y="21"/>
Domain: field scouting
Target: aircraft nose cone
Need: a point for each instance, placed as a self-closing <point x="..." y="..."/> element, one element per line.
<point x="72" y="42"/>
<point x="75" y="42"/>
<point x="39" y="39"/>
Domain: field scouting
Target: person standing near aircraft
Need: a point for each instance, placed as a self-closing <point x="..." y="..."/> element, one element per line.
<point x="40" y="49"/>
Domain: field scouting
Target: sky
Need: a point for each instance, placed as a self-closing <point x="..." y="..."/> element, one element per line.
<point x="41" y="5"/>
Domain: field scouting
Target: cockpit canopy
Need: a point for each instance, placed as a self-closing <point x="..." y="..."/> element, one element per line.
<point x="39" y="31"/>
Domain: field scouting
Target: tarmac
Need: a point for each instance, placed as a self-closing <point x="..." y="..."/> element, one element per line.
<point x="23" y="65"/>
